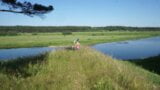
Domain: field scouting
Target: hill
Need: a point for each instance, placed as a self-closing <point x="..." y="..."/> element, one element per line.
<point x="83" y="69"/>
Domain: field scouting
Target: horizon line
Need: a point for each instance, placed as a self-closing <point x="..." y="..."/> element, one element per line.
<point x="78" y="26"/>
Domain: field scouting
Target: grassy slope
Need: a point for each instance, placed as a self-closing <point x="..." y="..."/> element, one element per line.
<point x="152" y="64"/>
<point x="55" y="39"/>
<point x="84" y="69"/>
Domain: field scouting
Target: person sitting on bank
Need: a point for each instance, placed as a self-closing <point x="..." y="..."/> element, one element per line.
<point x="76" y="44"/>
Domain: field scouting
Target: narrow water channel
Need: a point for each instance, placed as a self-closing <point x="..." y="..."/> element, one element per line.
<point x="6" y="54"/>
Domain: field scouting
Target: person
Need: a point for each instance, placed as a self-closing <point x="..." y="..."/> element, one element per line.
<point x="76" y="44"/>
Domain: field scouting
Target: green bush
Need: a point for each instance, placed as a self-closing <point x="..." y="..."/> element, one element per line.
<point x="9" y="33"/>
<point x="66" y="33"/>
<point x="34" y="33"/>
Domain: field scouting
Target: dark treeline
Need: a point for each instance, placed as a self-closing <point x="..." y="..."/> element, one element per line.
<point x="31" y="29"/>
<point x="36" y="29"/>
<point x="124" y="28"/>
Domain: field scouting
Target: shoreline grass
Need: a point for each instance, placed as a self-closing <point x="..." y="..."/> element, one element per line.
<point x="83" y="69"/>
<point x="23" y="40"/>
<point x="152" y="63"/>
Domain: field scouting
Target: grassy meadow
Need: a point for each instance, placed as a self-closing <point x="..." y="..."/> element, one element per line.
<point x="63" y="39"/>
<point x="84" y="69"/>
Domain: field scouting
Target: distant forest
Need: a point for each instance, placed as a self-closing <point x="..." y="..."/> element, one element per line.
<point x="46" y="29"/>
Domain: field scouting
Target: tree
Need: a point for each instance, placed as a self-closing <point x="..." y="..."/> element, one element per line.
<point x="26" y="8"/>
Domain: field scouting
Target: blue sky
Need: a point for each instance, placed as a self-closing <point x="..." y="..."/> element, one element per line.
<point x="91" y="13"/>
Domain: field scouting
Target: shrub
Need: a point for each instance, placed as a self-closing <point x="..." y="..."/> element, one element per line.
<point x="9" y="33"/>
<point x="34" y="33"/>
<point x="66" y="33"/>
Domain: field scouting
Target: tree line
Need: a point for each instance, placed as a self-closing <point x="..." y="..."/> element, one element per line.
<point x="47" y="29"/>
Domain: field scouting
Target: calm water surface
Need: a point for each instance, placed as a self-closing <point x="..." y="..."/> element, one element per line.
<point x="6" y="54"/>
<point x="133" y="49"/>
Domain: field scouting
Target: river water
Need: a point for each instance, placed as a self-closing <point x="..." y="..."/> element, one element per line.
<point x="131" y="49"/>
<point x="6" y="54"/>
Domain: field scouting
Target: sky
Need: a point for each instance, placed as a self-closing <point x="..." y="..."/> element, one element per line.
<point x="139" y="13"/>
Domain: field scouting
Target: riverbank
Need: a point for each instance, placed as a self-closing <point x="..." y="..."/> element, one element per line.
<point x="22" y="40"/>
<point x="71" y="70"/>
<point x="152" y="63"/>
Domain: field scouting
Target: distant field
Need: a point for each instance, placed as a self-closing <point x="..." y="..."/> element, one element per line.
<point x="62" y="38"/>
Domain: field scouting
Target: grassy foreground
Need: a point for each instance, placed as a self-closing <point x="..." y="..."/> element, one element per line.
<point x="84" y="69"/>
<point x="56" y="39"/>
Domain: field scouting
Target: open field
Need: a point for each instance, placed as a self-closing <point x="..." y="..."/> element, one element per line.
<point x="84" y="69"/>
<point x="60" y="39"/>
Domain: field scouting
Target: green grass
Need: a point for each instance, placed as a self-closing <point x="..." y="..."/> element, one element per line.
<point x="58" y="39"/>
<point x="83" y="69"/>
<point x="152" y="64"/>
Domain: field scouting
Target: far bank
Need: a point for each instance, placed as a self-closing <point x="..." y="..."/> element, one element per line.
<point x="60" y="39"/>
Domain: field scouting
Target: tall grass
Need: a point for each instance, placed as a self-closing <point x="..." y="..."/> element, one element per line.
<point x="83" y="69"/>
<point x="152" y="63"/>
